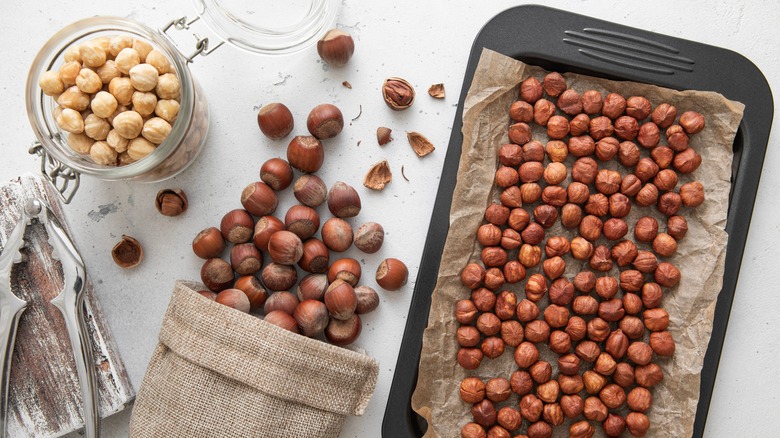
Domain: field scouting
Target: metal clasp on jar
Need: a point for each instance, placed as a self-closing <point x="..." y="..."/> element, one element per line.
<point x="201" y="44"/>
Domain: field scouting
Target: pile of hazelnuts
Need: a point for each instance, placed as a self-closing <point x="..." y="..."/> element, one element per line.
<point x="596" y="322"/>
<point x="328" y="299"/>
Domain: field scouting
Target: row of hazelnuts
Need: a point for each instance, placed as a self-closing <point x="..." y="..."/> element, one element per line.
<point x="117" y="98"/>
<point x="328" y="299"/>
<point x="491" y="319"/>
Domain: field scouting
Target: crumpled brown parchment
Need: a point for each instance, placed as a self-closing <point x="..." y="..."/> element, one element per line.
<point x="700" y="256"/>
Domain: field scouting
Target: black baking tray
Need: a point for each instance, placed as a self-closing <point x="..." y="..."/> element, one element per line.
<point x="581" y="44"/>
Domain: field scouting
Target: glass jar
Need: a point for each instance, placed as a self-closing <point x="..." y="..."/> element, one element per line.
<point x="271" y="27"/>
<point x="173" y="155"/>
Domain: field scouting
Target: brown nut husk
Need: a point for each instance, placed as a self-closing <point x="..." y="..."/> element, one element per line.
<point x="378" y="176"/>
<point x="383" y="135"/>
<point x="436" y="91"/>
<point x="128" y="253"/>
<point x="398" y="93"/>
<point x="421" y="145"/>
<point x="171" y="202"/>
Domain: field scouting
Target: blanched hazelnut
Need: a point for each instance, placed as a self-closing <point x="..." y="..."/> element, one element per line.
<point x="159" y="61"/>
<point x="96" y="128"/>
<point x="126" y="59"/>
<point x="167" y="109"/>
<point x="68" y="73"/>
<point x="167" y="86"/>
<point x="51" y="84"/>
<point x="122" y="90"/>
<point x="102" y="153"/>
<point x="119" y="42"/>
<point x="70" y="120"/>
<point x="92" y="54"/>
<point x="144" y="77"/>
<point x="156" y="130"/>
<point x="74" y="99"/>
<point x="80" y="143"/>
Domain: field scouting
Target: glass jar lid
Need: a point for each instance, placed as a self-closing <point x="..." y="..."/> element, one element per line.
<point x="271" y="27"/>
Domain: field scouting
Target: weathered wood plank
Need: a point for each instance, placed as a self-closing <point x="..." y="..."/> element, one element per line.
<point x="44" y="393"/>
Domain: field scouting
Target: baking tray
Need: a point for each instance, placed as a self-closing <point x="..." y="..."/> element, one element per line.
<point x="581" y="44"/>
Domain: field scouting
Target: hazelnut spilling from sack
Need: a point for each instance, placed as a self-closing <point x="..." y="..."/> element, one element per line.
<point x="218" y="372"/>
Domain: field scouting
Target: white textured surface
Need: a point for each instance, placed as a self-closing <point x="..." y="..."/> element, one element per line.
<point x="426" y="43"/>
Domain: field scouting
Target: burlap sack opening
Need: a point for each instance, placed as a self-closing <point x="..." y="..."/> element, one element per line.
<point x="221" y="373"/>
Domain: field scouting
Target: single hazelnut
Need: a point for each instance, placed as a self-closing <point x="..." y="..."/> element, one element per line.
<point x="531" y="407"/>
<point x="494" y="256"/>
<point x="514" y="272"/>
<point x="554" y="195"/>
<point x="553" y="414"/>
<point x="259" y="199"/>
<point x="663" y="156"/>
<point x="278" y="277"/>
<point x="626" y="128"/>
<point x="606" y="148"/>
<point x="207" y="294"/>
<point x="511" y="197"/>
<point x="312" y="317"/>
<point x="570" y="384"/>
<point x="554" y="84"/>
<point x="630" y="185"/>
<point x="593" y="381"/>
<point x="285" y="247"/>
<point x="608" y="181"/>
<point x="508" y="418"/>
<point x="301" y="220"/>
<point x="398" y="93"/>
<point x="639" y="399"/>
<point x="511" y="333"/>
<point x="587" y="351"/>
<point x="470" y="358"/>
<point x="555" y="173"/>
<point x="624" y="252"/>
<point x="340" y="299"/>
<point x="664" y="114"/>
<point x="632" y="327"/>
<point x="581" y="429"/>
<point x="484" y="299"/>
<point x="543" y="110"/>
<point x="597" y="205"/>
<point x="560" y="342"/>
<point x="613" y="396"/>
<point x="312" y="287"/>
<point x="484" y="413"/>
<point x="216" y="274"/>
<point x="648" y="195"/>
<point x="632" y="303"/>
<point x="347" y="269"/>
<point x="468" y="336"/>
<point x="472" y="275"/>
<point x="640" y="353"/>
<point x="692" y="194"/>
<point x="649" y="135"/>
<point x="526" y="354"/>
<point x="646" y="169"/>
<point x="614" y="425"/>
<point x="276" y="173"/>
<point x="548" y="391"/>
<point x="662" y="343"/>
<point x="581" y="249"/>
<point x="510" y="239"/>
<point x="637" y="424"/>
<point x="246" y="259"/>
<point x="237" y="226"/>
<point x="535" y="287"/>
<point x="561" y="292"/>
<point x="569" y="364"/>
<point x="557" y="128"/>
<point x="576" y="328"/>
<point x="305" y="153"/>
<point x="520" y="133"/>
<point x="579" y="125"/>
<point x="492" y="347"/>
<point x="577" y="192"/>
<point x="527" y="310"/>
<point x="677" y="138"/>
<point x="590" y="228"/>
<point x="648" y="375"/>
<point x="530" y="193"/>
<point x="677" y="227"/>
<point x="309" y="189"/>
<point x="556" y="316"/>
<point x="316" y="257"/>
<point x="601" y="128"/>
<point x="521" y="382"/>
<point x="623" y="375"/>
<point x="545" y="215"/>
<point x="571" y="215"/>
<point x="617" y="344"/>
<point x="472" y="390"/>
<point x="554" y="267"/>
<point x="669" y="203"/>
<point x="652" y="294"/>
<point x="584" y="281"/>
<point x="541" y="371"/>
<point x="537" y="331"/>
<point x="473" y="430"/>
<point x="506" y="176"/>
<point x="595" y="409"/>
<point x="581" y="146"/>
<point x="614" y="106"/>
<point x="584" y="170"/>
<point x="557" y="151"/>
<point x="336" y="47"/>
<point x="533" y="151"/>
<point x="233" y="298"/>
<point x="392" y="274"/>
<point x="275" y="120"/>
<point x="510" y="154"/>
<point x="531" y="90"/>
<point x="488" y="324"/>
<point x="572" y="405"/>
<point x="585" y="305"/>
<point x="530" y="255"/>
<point x="628" y="154"/>
<point x="638" y="107"/>
<point x="591" y="102"/>
<point x="496" y="214"/>
<point x="598" y="330"/>
<point x="343" y="332"/>
<point x="208" y="244"/>
<point x="540" y="429"/>
<point x="570" y="102"/>
<point x="645" y="262"/>
<point x="614" y="228"/>
<point x="665" y="179"/>
<point x="521" y="111"/>
<point x="281" y="300"/>
<point x="656" y="319"/>
<point x="692" y="122"/>
<point x="343" y="200"/>
<point x="369" y="237"/>
<point x="631" y="280"/>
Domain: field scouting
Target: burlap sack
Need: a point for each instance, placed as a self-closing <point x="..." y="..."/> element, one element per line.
<point x="221" y="373"/>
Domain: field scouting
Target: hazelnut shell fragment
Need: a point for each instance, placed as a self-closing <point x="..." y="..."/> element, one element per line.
<point x="378" y="176"/>
<point x="128" y="253"/>
<point x="421" y="145"/>
<point x="436" y="91"/>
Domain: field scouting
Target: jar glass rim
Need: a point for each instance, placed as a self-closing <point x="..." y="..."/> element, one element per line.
<point x="52" y="137"/>
<point x="239" y="23"/>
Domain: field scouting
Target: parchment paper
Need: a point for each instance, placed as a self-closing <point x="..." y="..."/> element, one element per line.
<point x="700" y="256"/>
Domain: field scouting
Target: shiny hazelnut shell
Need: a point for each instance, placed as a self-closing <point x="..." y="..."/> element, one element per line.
<point x="285" y="247"/>
<point x="237" y="226"/>
<point x="325" y="121"/>
<point x="367" y="300"/>
<point x="265" y="227"/>
<point x="233" y="298"/>
<point x="209" y="243"/>
<point x="336" y="47"/>
<point x="311" y="317"/>
<point x="337" y="234"/>
<point x="346" y="269"/>
<point x="302" y="221"/>
<point x="344" y="332"/>
<point x="343" y="200"/>
<point x="279" y="277"/>
<point x="369" y="237"/>
<point x="277" y="173"/>
<point x="275" y="120"/>
<point x="259" y="199"/>
<point x="282" y="300"/>
<point x="245" y="259"/>
<point x="312" y="287"/>
<point x="316" y="257"/>
<point x="282" y="319"/>
<point x="340" y="299"/>
<point x="310" y="190"/>
<point x="253" y="289"/>
<point x="305" y="153"/>
<point x="392" y="274"/>
<point x="216" y="274"/>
